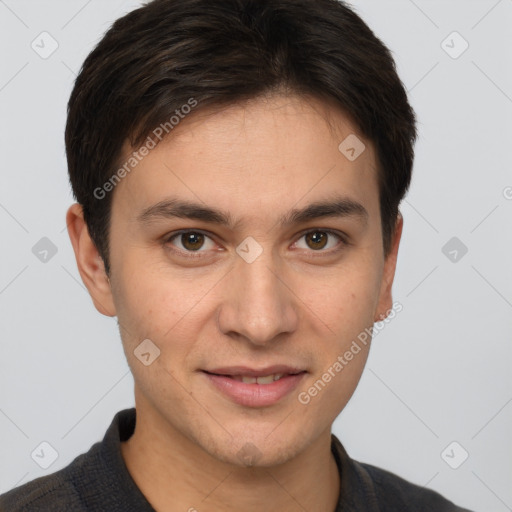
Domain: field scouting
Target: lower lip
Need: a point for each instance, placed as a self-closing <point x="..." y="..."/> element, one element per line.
<point x="255" y="395"/>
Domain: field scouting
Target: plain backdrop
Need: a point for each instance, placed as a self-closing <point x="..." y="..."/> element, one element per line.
<point x="437" y="387"/>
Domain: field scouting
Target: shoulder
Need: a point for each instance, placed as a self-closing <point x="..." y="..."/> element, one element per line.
<point x="373" y="489"/>
<point x="396" y="494"/>
<point x="56" y="492"/>
<point x="95" y="480"/>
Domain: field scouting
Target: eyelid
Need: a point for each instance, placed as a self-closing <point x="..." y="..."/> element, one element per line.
<point x="343" y="241"/>
<point x="189" y="254"/>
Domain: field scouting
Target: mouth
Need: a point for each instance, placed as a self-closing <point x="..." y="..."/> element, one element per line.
<point x="255" y="387"/>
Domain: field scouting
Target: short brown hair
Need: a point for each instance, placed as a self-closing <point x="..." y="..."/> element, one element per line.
<point x="156" y="58"/>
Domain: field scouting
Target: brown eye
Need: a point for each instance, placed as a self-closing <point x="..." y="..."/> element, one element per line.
<point x="192" y="241"/>
<point x="316" y="239"/>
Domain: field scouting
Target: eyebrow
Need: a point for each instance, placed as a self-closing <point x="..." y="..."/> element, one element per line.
<point x="338" y="207"/>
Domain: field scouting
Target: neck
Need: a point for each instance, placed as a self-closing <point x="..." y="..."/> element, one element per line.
<point x="175" y="474"/>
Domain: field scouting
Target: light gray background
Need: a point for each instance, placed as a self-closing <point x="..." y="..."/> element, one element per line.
<point x="438" y="373"/>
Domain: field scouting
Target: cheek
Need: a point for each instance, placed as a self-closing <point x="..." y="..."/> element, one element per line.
<point x="148" y="309"/>
<point x="342" y="354"/>
<point x="345" y="300"/>
<point x="344" y="305"/>
<point x="166" y="307"/>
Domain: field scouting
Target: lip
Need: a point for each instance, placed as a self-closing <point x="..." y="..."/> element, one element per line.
<point x="251" y="372"/>
<point x="255" y="395"/>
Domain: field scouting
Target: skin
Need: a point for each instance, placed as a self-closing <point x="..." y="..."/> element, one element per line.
<point x="299" y="303"/>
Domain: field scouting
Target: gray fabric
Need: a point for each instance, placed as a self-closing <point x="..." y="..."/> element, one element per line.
<point x="99" y="481"/>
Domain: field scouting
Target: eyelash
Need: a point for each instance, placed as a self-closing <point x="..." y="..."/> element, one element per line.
<point x="200" y="254"/>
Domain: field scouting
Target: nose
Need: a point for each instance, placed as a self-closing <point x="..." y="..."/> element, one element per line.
<point x="259" y="305"/>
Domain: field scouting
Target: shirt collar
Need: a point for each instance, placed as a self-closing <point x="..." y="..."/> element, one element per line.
<point x="356" y="487"/>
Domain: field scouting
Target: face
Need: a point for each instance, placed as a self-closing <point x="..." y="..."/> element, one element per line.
<point x="220" y="259"/>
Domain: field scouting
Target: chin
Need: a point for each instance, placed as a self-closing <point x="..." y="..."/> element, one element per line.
<point x="269" y="449"/>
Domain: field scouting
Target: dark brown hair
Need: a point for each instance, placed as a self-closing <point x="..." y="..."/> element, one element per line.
<point x="155" y="59"/>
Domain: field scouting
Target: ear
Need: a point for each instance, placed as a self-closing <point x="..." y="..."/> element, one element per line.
<point x="90" y="263"/>
<point x="385" y="298"/>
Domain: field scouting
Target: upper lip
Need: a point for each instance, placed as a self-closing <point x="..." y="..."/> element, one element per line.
<point x="252" y="372"/>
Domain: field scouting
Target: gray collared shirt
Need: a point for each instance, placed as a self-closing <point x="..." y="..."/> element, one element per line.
<point x="98" y="480"/>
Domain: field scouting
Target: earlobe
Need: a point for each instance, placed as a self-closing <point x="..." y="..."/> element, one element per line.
<point x="89" y="262"/>
<point x="386" y="296"/>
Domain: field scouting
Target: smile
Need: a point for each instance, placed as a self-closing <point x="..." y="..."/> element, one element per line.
<point x="253" y="388"/>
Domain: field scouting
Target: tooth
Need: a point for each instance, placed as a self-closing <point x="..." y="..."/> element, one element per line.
<point x="267" y="379"/>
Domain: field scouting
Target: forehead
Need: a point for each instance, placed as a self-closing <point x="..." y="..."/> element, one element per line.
<point x="255" y="157"/>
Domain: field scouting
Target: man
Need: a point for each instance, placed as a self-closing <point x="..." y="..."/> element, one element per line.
<point x="238" y="167"/>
